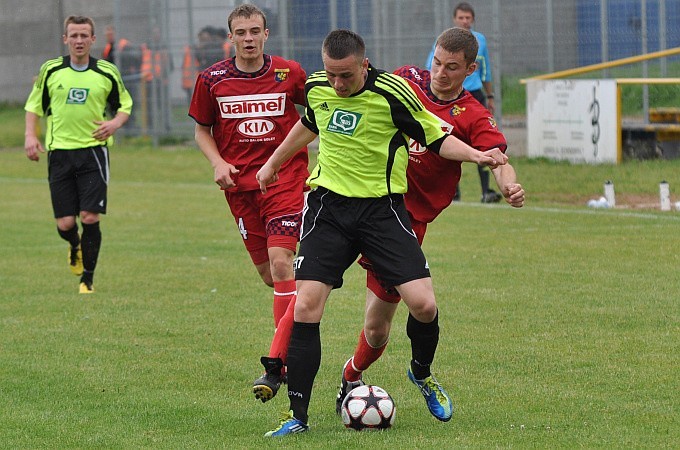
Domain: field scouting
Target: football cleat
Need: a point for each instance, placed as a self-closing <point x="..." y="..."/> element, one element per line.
<point x="491" y="196"/>
<point x="75" y="260"/>
<point x="438" y="401"/>
<point x="86" y="287"/>
<point x="266" y="387"/>
<point x="288" y="425"/>
<point x="345" y="388"/>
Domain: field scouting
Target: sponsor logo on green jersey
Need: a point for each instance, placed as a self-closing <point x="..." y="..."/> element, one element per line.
<point x="343" y="122"/>
<point x="77" y="96"/>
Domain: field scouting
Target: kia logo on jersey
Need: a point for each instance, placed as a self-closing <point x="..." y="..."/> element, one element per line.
<point x="258" y="105"/>
<point x="255" y="127"/>
<point x="414" y="148"/>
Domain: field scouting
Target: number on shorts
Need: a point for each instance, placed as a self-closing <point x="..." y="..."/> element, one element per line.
<point x="242" y="228"/>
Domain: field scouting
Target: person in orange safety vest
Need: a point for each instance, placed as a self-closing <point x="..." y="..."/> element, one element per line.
<point x="155" y="70"/>
<point x="212" y="46"/>
<point x="128" y="58"/>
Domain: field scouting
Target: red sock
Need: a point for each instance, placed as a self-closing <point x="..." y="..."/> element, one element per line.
<point x="284" y="291"/>
<point x="364" y="356"/>
<point x="279" y="346"/>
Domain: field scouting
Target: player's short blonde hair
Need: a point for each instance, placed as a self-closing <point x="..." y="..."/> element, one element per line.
<point x="79" y="20"/>
<point x="246" y="11"/>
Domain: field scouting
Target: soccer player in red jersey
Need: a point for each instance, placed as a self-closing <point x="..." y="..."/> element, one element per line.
<point x="432" y="180"/>
<point x="243" y="108"/>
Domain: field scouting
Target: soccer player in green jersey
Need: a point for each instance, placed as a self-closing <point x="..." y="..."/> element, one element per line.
<point x="362" y="116"/>
<point x="74" y="92"/>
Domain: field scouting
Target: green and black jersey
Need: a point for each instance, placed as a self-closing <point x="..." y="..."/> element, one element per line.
<point x="73" y="100"/>
<point x="363" y="148"/>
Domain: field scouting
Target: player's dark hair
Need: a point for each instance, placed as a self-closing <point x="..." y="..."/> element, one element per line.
<point x="246" y="11"/>
<point x="78" y="20"/>
<point x="340" y="44"/>
<point x="458" y="39"/>
<point x="465" y="7"/>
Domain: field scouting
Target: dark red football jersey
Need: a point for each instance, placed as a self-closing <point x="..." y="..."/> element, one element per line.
<point x="251" y="114"/>
<point x="432" y="180"/>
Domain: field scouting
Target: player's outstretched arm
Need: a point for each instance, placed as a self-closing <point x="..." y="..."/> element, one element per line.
<point x="455" y="149"/>
<point x="506" y="179"/>
<point x="298" y="137"/>
<point x="32" y="144"/>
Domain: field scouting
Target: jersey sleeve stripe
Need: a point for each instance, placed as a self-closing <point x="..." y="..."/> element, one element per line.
<point x="390" y="83"/>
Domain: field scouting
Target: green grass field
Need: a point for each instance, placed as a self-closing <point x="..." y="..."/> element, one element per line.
<point x="559" y="324"/>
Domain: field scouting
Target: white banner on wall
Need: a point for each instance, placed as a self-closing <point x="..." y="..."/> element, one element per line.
<point x="573" y="120"/>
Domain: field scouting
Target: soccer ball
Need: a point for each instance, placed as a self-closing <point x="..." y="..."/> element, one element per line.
<point x="368" y="408"/>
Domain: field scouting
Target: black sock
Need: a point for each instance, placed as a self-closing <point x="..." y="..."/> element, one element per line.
<point x="90" y="244"/>
<point x="87" y="277"/>
<point x="71" y="236"/>
<point x="304" y="359"/>
<point x="424" y="339"/>
<point x="483" y="178"/>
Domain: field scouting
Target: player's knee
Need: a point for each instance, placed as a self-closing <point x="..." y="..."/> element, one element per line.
<point x="88" y="217"/>
<point x="377" y="334"/>
<point x="66" y="223"/>
<point x="281" y="268"/>
<point x="307" y="310"/>
<point x="424" y="311"/>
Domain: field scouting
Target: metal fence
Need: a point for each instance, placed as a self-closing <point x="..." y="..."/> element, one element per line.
<point x="525" y="37"/>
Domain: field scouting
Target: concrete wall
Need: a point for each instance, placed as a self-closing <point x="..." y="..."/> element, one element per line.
<point x="30" y="34"/>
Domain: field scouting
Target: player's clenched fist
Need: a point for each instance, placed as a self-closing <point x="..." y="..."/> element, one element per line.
<point x="514" y="194"/>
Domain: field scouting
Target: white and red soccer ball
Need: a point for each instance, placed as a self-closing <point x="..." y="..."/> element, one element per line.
<point x="368" y="408"/>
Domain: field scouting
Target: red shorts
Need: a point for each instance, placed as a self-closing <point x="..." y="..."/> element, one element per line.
<point x="269" y="220"/>
<point x="373" y="281"/>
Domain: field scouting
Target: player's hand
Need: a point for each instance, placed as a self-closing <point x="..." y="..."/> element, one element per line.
<point x="33" y="148"/>
<point x="226" y="175"/>
<point x="266" y="175"/>
<point x="514" y="194"/>
<point x="493" y="158"/>
<point x="104" y="130"/>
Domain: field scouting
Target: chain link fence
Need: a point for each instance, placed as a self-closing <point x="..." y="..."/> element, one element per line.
<point x="525" y="37"/>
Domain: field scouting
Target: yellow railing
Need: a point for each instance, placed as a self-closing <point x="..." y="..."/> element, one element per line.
<point x="609" y="65"/>
<point x="619" y="82"/>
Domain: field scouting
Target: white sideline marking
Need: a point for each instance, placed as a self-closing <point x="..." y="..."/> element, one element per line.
<point x="672" y="215"/>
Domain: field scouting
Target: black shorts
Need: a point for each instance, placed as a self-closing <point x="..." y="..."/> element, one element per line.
<point x="78" y="180"/>
<point x="336" y="229"/>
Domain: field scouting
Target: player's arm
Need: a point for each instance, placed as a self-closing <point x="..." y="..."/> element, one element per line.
<point x="455" y="149"/>
<point x="506" y="179"/>
<point x="424" y="127"/>
<point x="119" y="100"/>
<point x="32" y="144"/>
<point x="298" y="137"/>
<point x="224" y="172"/>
